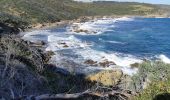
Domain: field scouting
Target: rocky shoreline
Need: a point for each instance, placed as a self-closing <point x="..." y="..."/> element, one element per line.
<point x="58" y="80"/>
<point x="85" y="19"/>
<point x="105" y="76"/>
<point x="65" y="45"/>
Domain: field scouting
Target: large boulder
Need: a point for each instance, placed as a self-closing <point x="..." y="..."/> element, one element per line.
<point x="106" y="77"/>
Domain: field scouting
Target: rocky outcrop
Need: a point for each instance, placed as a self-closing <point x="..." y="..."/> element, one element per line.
<point x="107" y="77"/>
<point x="104" y="63"/>
<point x="81" y="30"/>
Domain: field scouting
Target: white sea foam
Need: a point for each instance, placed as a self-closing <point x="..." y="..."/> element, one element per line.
<point x="93" y="27"/>
<point x="37" y="35"/>
<point x="129" y="71"/>
<point x="123" y="62"/>
<point x="124" y="19"/>
<point x="164" y="58"/>
<point x="96" y="26"/>
<point x="114" y="42"/>
<point x="57" y="43"/>
<point x="61" y="40"/>
<point x="117" y="58"/>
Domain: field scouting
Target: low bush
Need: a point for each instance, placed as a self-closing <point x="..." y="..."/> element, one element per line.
<point x="154" y="78"/>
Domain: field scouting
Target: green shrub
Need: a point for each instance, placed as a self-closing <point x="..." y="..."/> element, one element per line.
<point x="154" y="89"/>
<point x="156" y="78"/>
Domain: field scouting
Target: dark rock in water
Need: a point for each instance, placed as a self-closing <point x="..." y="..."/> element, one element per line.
<point x="106" y="63"/>
<point x="91" y="62"/>
<point x="36" y="44"/>
<point x="81" y="30"/>
<point x="40" y="43"/>
<point x="65" y="46"/>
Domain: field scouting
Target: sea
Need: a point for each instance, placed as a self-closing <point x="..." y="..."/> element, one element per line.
<point x="124" y="41"/>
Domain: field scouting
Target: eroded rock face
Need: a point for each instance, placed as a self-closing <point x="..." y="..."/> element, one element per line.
<point x="107" y="77"/>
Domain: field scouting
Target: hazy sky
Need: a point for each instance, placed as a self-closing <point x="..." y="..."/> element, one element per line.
<point x="145" y="1"/>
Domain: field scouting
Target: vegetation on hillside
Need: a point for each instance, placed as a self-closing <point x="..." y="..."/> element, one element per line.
<point x="165" y="8"/>
<point x="24" y="72"/>
<point x="41" y="11"/>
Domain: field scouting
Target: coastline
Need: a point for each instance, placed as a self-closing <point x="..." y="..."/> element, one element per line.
<point x="86" y="19"/>
<point x="94" y="69"/>
<point x="70" y="42"/>
<point x="54" y="44"/>
<point x="80" y="20"/>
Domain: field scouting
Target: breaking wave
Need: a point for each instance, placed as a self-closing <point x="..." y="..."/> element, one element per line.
<point x="83" y="50"/>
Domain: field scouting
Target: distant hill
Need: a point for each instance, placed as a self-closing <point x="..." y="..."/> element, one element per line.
<point x="40" y="11"/>
<point x="166" y="8"/>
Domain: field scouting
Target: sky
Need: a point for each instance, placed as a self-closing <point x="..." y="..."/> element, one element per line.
<point x="143" y="1"/>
